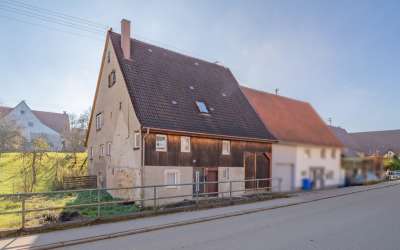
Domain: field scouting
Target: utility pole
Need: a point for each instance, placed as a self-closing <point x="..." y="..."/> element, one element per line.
<point x="330" y="121"/>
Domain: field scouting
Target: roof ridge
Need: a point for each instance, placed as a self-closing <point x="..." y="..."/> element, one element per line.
<point x="172" y="51"/>
<point x="375" y="131"/>
<point x="278" y="96"/>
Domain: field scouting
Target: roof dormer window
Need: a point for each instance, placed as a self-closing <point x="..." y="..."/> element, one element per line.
<point x="202" y="107"/>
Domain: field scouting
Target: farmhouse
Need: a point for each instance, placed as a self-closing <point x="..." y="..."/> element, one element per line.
<point x="33" y="124"/>
<point x="306" y="148"/>
<point x="161" y="117"/>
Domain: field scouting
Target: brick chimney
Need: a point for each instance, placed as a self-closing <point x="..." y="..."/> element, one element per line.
<point x="126" y="38"/>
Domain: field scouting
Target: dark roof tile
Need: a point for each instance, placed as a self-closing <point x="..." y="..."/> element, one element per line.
<point x="154" y="79"/>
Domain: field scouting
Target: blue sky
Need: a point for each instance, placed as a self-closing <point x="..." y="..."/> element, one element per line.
<point x="341" y="56"/>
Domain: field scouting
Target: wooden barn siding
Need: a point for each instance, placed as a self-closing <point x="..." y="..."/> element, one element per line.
<point x="206" y="152"/>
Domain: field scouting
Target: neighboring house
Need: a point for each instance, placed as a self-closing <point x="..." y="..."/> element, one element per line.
<point x="160" y="117"/>
<point x="380" y="143"/>
<point x="364" y="151"/>
<point x="306" y="148"/>
<point x="33" y="124"/>
<point x="374" y="143"/>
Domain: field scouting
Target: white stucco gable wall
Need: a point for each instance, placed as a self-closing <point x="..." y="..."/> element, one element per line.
<point x="120" y="168"/>
<point x="31" y="127"/>
<point x="290" y="162"/>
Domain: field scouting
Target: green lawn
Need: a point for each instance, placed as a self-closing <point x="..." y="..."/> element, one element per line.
<point x="50" y="167"/>
<point x="16" y="173"/>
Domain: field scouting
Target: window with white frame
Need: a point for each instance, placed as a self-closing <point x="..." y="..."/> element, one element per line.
<point x="307" y="153"/>
<point x="225" y="174"/>
<point x="108" y="148"/>
<point x="99" y="121"/>
<point x="185" y="144"/>
<point x="161" y="143"/>
<point x="172" y="178"/>
<point x="323" y="153"/>
<point x="226" y="147"/>
<point x="136" y="138"/>
<point x="101" y="149"/>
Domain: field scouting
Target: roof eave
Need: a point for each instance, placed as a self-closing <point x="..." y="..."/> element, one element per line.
<point x="208" y="135"/>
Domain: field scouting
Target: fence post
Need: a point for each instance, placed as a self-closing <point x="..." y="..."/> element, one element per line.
<point x="23" y="212"/>
<point x="257" y="185"/>
<point x="155" y="198"/>
<point x="98" y="202"/>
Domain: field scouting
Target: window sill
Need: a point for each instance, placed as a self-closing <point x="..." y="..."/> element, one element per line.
<point x="172" y="187"/>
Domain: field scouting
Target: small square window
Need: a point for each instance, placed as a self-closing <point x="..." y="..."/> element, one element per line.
<point x="136" y="140"/>
<point x="202" y="107"/>
<point x="161" y="143"/>
<point x="22" y="112"/>
<point x="99" y="121"/>
<point x="109" y="148"/>
<point x="307" y="153"/>
<point x="30" y="124"/>
<point x="91" y="154"/>
<point x="172" y="178"/>
<point x="111" y="79"/>
<point x="226" y="147"/>
<point x="185" y="144"/>
<point x="323" y="153"/>
<point x="333" y="153"/>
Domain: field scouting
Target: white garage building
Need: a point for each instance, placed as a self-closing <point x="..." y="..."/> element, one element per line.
<point x="307" y="148"/>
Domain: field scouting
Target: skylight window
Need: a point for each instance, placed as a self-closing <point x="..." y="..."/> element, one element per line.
<point x="202" y="107"/>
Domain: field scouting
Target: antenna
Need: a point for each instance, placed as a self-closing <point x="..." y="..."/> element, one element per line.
<point x="276" y="91"/>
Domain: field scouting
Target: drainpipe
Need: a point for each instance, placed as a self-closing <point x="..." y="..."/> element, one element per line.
<point x="142" y="166"/>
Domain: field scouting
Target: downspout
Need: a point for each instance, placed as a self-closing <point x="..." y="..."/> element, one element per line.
<point x="142" y="165"/>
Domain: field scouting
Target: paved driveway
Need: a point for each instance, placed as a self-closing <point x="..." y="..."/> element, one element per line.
<point x="366" y="220"/>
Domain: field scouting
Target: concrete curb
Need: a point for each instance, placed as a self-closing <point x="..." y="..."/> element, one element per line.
<point x="183" y="223"/>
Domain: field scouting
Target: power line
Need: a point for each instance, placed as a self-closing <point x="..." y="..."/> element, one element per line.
<point x="55" y="13"/>
<point x="51" y="28"/>
<point x="50" y="19"/>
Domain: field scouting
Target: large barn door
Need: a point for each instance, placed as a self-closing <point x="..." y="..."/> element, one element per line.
<point x="257" y="166"/>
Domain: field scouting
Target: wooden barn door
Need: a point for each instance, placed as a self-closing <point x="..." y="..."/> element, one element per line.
<point x="250" y="170"/>
<point x="257" y="166"/>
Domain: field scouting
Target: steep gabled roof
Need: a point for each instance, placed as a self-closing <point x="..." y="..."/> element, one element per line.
<point x="291" y="120"/>
<point x="164" y="87"/>
<point x="56" y="121"/>
<point x="378" y="142"/>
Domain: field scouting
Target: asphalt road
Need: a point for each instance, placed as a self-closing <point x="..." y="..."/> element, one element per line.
<point x="367" y="220"/>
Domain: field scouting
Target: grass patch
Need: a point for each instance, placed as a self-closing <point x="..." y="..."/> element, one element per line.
<point x="51" y="168"/>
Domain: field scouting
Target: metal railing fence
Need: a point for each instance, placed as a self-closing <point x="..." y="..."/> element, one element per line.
<point x="26" y="203"/>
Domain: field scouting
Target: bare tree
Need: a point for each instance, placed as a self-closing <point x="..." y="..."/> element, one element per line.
<point x="10" y="137"/>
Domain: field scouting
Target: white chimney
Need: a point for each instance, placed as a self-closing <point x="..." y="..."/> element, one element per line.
<point x="126" y="38"/>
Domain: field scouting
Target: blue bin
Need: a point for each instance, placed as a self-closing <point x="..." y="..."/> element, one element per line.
<point x="307" y="184"/>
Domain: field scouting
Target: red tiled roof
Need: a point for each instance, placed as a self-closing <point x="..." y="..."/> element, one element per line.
<point x="290" y="120"/>
<point x="56" y="121"/>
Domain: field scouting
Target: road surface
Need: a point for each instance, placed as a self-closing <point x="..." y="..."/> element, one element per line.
<point x="367" y="220"/>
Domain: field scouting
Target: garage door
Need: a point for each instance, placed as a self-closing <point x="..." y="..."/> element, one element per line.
<point x="286" y="172"/>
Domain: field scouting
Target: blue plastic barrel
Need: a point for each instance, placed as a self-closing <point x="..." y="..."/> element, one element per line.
<point x="306" y="183"/>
